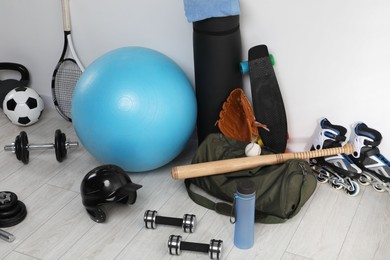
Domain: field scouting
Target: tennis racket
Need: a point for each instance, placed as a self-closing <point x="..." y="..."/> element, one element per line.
<point x="68" y="69"/>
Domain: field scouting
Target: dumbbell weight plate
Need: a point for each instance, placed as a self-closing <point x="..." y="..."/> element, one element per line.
<point x="215" y="250"/>
<point x="19" y="217"/>
<point x="174" y="244"/>
<point x="59" y="145"/>
<point x="24" y="153"/>
<point x="10" y="212"/>
<point x="150" y="219"/>
<point x="18" y="148"/>
<point x="189" y="223"/>
<point x="7" y="200"/>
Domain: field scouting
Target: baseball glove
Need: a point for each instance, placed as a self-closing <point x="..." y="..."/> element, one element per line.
<point x="237" y="119"/>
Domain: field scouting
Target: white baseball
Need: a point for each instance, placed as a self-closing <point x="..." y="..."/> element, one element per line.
<point x="252" y="149"/>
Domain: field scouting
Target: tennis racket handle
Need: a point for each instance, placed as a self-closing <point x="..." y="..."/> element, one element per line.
<point x="65" y="15"/>
<point x="237" y="164"/>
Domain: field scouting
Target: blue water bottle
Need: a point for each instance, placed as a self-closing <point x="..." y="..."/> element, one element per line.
<point x="244" y="205"/>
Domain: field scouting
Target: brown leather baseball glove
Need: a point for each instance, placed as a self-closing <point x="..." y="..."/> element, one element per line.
<point x="237" y="119"/>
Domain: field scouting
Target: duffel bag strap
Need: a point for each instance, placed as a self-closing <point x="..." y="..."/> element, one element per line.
<point x="219" y="207"/>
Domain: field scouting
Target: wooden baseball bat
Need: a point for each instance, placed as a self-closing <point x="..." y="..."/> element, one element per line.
<point x="244" y="163"/>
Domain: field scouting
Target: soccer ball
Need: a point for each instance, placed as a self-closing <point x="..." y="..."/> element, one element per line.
<point x="23" y="106"/>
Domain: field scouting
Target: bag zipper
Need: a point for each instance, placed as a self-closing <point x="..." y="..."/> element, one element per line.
<point x="303" y="169"/>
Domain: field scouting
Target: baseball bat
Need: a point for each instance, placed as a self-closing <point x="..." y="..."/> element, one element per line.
<point x="237" y="164"/>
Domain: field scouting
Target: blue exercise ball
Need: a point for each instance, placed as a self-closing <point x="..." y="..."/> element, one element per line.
<point x="134" y="107"/>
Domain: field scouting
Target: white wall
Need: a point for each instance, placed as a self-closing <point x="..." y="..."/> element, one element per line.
<point x="332" y="57"/>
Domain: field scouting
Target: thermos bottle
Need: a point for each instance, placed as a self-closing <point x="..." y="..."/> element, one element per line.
<point x="244" y="205"/>
<point x="217" y="55"/>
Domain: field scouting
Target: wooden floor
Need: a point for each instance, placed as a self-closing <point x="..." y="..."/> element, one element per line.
<point x="331" y="225"/>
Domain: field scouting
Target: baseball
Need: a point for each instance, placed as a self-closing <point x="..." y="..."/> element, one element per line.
<point x="252" y="149"/>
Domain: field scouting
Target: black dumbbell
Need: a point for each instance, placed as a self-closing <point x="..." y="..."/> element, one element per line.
<point x="151" y="219"/>
<point x="21" y="147"/>
<point x="176" y="245"/>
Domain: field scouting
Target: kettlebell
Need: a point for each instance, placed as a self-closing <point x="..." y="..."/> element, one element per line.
<point x="9" y="84"/>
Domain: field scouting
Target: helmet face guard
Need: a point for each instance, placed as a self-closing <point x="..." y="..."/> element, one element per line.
<point x="106" y="184"/>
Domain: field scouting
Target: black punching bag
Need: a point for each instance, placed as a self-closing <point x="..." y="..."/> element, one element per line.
<point x="217" y="55"/>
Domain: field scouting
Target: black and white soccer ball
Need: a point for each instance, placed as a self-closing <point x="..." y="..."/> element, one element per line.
<point x="23" y="106"/>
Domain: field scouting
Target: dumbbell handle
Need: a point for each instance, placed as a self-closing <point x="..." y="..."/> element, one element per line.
<point x="191" y="246"/>
<point x="6" y="236"/>
<point x="68" y="145"/>
<point x="169" y="221"/>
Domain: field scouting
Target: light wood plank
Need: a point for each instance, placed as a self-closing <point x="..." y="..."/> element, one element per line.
<point x="70" y="177"/>
<point x="59" y="233"/>
<point x="369" y="234"/>
<point x="321" y="232"/>
<point x="289" y="256"/>
<point x="17" y="256"/>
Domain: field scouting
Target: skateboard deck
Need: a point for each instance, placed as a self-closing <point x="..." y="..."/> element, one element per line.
<point x="267" y="99"/>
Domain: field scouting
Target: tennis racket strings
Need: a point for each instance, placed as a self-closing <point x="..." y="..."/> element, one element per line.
<point x="68" y="73"/>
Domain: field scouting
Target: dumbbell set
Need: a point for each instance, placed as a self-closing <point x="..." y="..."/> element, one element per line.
<point x="22" y="148"/>
<point x="175" y="242"/>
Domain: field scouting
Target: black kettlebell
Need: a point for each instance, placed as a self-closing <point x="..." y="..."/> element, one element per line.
<point x="9" y="84"/>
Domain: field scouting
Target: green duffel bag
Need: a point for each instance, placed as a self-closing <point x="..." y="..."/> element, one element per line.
<point x="281" y="190"/>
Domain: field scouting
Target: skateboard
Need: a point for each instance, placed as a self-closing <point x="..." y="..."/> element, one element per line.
<point x="267" y="99"/>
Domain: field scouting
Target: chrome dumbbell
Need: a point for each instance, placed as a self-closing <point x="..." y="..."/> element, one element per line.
<point x="151" y="220"/>
<point x="176" y="245"/>
<point x="22" y="148"/>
